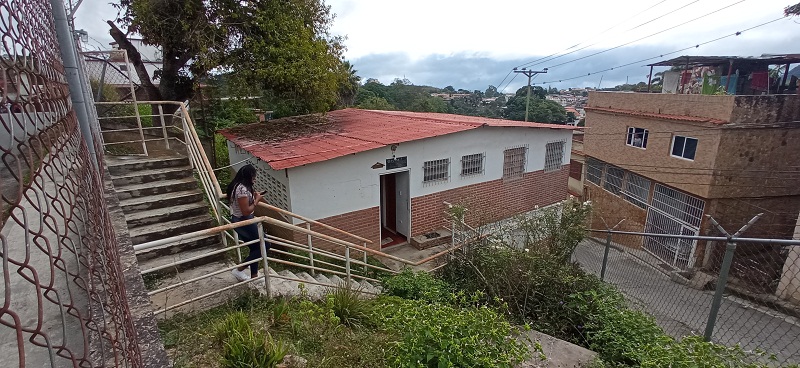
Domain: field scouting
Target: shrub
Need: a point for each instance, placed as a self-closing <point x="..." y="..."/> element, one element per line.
<point x="415" y="285"/>
<point x="348" y="305"/>
<point x="243" y="347"/>
<point x="441" y="335"/>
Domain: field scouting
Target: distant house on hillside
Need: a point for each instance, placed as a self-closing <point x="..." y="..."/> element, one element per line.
<point x="386" y="175"/>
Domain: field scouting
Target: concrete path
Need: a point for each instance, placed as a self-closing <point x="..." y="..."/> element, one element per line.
<point x="682" y="310"/>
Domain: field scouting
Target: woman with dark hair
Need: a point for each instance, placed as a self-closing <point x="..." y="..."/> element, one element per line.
<point x="243" y="200"/>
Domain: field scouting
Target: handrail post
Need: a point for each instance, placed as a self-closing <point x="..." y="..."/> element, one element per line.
<point x="310" y="249"/>
<point x="263" y="245"/>
<point x="163" y="125"/>
<point x="236" y="241"/>
<point x="365" y="259"/>
<point x="605" y="256"/>
<point x="347" y="263"/>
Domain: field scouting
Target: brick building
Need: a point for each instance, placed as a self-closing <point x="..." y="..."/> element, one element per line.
<point x="387" y="174"/>
<point x="664" y="161"/>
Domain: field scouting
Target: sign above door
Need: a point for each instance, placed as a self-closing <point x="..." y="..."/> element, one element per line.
<point x="396" y="163"/>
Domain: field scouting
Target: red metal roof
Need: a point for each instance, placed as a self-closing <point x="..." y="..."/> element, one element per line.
<point x="695" y="119"/>
<point x="353" y="130"/>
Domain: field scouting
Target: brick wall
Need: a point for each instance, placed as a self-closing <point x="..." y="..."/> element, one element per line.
<point x="490" y="201"/>
<point x="364" y="223"/>
<point x="714" y="107"/>
<point x="611" y="208"/>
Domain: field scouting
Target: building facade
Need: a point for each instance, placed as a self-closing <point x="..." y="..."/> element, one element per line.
<point x="662" y="162"/>
<point x="383" y="174"/>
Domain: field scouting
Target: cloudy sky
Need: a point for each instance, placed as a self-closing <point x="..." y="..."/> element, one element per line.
<point x="472" y="44"/>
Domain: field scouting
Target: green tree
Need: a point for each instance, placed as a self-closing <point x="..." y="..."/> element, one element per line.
<point x="541" y="110"/>
<point x="375" y="103"/>
<point x="449" y="89"/>
<point x="283" y="46"/>
<point x="348" y="88"/>
<point x="491" y="92"/>
<point x="792" y="10"/>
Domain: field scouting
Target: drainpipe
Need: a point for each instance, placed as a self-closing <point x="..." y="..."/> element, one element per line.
<point x="76" y="89"/>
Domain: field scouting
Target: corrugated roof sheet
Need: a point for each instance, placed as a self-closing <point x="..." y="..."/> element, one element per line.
<point x="342" y="132"/>
<point x="695" y="119"/>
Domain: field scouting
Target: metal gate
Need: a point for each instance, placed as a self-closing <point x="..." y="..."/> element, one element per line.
<point x="673" y="212"/>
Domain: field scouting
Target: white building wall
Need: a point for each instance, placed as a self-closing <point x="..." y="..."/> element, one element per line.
<point x="347" y="184"/>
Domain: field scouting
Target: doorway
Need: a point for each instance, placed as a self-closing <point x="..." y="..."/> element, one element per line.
<point x="395" y="209"/>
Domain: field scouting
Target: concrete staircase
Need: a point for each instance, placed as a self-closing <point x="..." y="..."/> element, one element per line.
<point x="289" y="288"/>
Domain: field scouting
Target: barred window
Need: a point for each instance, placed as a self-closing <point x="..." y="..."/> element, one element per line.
<point x="613" y="182"/>
<point x="514" y="162"/>
<point x="436" y="170"/>
<point x="594" y="170"/>
<point x="554" y="156"/>
<point x="472" y="164"/>
<point x="637" y="189"/>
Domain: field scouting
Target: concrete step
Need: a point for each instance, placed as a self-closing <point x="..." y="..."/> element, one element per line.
<point x="146" y="233"/>
<point x="195" y="289"/>
<point x="181" y="251"/>
<point x="323" y="279"/>
<point x="149" y="176"/>
<point x="167" y="200"/>
<point x="123" y="165"/>
<point x="287" y="273"/>
<point x="314" y="291"/>
<point x="152" y="216"/>
<point x="162" y="187"/>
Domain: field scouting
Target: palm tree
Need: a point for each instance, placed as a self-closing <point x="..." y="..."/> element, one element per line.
<point x="349" y="84"/>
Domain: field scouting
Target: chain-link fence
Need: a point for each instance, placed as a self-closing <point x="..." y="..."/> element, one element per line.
<point x="64" y="300"/>
<point x="751" y="299"/>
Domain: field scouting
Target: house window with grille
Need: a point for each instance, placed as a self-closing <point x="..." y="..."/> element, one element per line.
<point x="637" y="189"/>
<point x="613" y="182"/>
<point x="684" y="147"/>
<point x="472" y="164"/>
<point x="514" y="162"/>
<point x="436" y="171"/>
<point x="553" y="156"/>
<point x="637" y="137"/>
<point x="594" y="170"/>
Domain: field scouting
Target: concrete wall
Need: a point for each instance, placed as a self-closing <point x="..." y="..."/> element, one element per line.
<point x="610" y="208"/>
<point x="606" y="137"/>
<point x="707" y="106"/>
<point x="789" y="284"/>
<point x="757" y="162"/>
<point x="760" y="110"/>
<point x="348" y="184"/>
<point x="577" y="166"/>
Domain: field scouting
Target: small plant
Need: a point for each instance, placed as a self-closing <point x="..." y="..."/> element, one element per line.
<point x="280" y="312"/>
<point x="415" y="285"/>
<point x="348" y="304"/>
<point x="243" y="347"/>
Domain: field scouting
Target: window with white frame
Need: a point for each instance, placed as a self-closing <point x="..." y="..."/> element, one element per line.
<point x="637" y="189"/>
<point x="553" y="156"/>
<point x="684" y="147"/>
<point x="472" y="164"/>
<point x="637" y="137"/>
<point x="436" y="171"/>
<point x="594" y="170"/>
<point x="613" y="182"/>
<point x="514" y="162"/>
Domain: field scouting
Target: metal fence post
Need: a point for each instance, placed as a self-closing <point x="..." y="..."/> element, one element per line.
<point x="605" y="256"/>
<point x="310" y="249"/>
<point x="263" y="245"/>
<point x="730" y="248"/>
<point x="347" y="263"/>
<point x="365" y="259"/>
<point x="163" y="125"/>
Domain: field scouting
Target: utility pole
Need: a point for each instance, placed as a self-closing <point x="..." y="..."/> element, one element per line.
<point x="529" y="74"/>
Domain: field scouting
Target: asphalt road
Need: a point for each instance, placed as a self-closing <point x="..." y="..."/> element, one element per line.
<point x="682" y="310"/>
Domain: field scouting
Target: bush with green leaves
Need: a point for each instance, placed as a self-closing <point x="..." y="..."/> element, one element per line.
<point x="244" y="347"/>
<point x="442" y="335"/>
<point x="415" y="285"/>
<point x="349" y="305"/>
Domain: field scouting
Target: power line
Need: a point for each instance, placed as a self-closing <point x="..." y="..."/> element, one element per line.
<point x="664" y="54"/>
<point x="648" y="36"/>
<point x="578" y="44"/>
<point x="541" y="60"/>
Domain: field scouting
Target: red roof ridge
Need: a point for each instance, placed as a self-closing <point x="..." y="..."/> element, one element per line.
<point x="657" y="115"/>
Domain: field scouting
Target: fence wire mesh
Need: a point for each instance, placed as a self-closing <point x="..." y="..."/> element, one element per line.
<point x="760" y="308"/>
<point x="63" y="298"/>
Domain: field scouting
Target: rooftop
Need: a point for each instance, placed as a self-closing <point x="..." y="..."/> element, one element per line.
<point x="299" y="140"/>
<point x="694" y="61"/>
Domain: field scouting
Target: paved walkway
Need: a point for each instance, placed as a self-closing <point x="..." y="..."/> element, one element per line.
<point x="682" y="310"/>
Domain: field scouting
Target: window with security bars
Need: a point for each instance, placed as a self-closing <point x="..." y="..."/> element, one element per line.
<point x="514" y="162"/>
<point x="637" y="189"/>
<point x="472" y="164"/>
<point x="594" y="170"/>
<point x="553" y="156"/>
<point x="613" y="182"/>
<point x="436" y="171"/>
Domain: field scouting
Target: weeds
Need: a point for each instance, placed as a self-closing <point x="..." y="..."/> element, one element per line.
<point x="348" y="305"/>
<point x="244" y="347"/>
